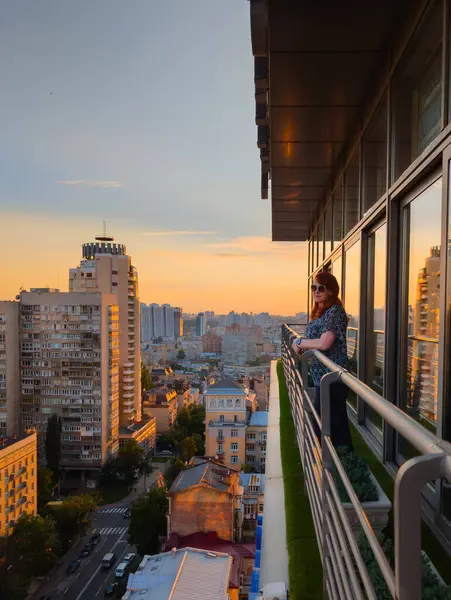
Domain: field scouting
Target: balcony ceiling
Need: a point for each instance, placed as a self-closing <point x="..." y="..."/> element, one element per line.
<point x="315" y="64"/>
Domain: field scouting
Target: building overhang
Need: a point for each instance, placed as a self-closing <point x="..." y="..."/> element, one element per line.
<point x="316" y="64"/>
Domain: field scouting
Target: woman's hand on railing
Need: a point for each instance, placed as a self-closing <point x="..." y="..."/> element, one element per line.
<point x="295" y="347"/>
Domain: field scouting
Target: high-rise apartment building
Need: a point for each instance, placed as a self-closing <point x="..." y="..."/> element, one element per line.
<point x="201" y="324"/>
<point x="69" y="356"/>
<point x="157" y="321"/>
<point x="106" y="268"/>
<point x="9" y="369"/>
<point x="168" y="315"/>
<point x="178" y="322"/>
<point x="146" y="323"/>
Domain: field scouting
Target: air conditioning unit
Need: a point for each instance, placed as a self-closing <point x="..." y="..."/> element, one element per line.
<point x="275" y="591"/>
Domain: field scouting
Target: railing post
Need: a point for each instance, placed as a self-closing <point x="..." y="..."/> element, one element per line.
<point x="409" y="483"/>
<point x="327" y="463"/>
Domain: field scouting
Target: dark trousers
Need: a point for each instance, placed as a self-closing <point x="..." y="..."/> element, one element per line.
<point x="339" y="424"/>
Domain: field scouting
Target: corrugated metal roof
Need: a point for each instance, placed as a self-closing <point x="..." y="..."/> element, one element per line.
<point x="186" y="574"/>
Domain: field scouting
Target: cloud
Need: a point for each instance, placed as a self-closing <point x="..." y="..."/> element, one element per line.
<point x="176" y="232"/>
<point x="255" y="246"/>
<point x="230" y="254"/>
<point x="88" y="183"/>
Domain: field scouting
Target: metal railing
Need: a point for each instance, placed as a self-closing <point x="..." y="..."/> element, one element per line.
<point x="345" y="573"/>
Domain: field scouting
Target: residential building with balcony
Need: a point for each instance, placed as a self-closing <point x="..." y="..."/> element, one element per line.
<point x="143" y="432"/>
<point x="354" y="134"/>
<point x="106" y="267"/>
<point x="182" y="574"/>
<point x="163" y="405"/>
<point x="9" y="369"/>
<point x="225" y="422"/>
<point x="69" y="367"/>
<point x="206" y="497"/>
<point x="18" y="480"/>
<point x="212" y="342"/>
<point x="253" y="485"/>
<point x="256" y="434"/>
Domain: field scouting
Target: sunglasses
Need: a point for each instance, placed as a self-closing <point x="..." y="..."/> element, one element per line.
<point x="319" y="288"/>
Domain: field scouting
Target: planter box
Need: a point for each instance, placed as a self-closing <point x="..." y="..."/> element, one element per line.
<point x="377" y="512"/>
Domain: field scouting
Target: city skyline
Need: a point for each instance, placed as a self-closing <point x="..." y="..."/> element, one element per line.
<point x="91" y="140"/>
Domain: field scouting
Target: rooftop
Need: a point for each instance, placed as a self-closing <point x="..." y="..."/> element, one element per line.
<point x="259" y="419"/>
<point x="6" y="442"/>
<point x="225" y="385"/>
<point x="185" y="574"/>
<point x="207" y="472"/>
<point x="248" y="480"/>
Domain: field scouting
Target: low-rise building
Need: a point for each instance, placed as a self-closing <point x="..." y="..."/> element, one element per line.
<point x="253" y="485"/>
<point x="143" y="432"/>
<point x="182" y="574"/>
<point x="243" y="555"/>
<point x="256" y="441"/>
<point x="18" y="477"/>
<point x="162" y="404"/>
<point x="206" y="497"/>
<point x="225" y="422"/>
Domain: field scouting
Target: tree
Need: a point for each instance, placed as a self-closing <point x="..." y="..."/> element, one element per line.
<point x="173" y="470"/>
<point x="127" y="467"/>
<point x="181" y="355"/>
<point x="53" y="445"/>
<point x="188" y="448"/>
<point x="71" y="516"/>
<point x="146" y="380"/>
<point x="33" y="545"/>
<point x="148" y="521"/>
<point x="246" y="468"/>
<point x="45" y="486"/>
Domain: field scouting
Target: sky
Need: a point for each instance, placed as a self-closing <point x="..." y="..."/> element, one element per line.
<point x="140" y="114"/>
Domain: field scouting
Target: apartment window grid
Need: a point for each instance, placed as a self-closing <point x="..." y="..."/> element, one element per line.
<point x="234" y="433"/>
<point x="234" y="447"/>
<point x="234" y="460"/>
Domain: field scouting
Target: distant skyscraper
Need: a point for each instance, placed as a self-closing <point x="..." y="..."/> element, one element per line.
<point x="146" y="323"/>
<point x="168" y="318"/>
<point x="9" y="369"/>
<point x="157" y="320"/>
<point x="200" y="324"/>
<point x="178" y="322"/>
<point x="107" y="268"/>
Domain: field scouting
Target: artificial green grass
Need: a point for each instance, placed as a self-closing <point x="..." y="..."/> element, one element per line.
<point x="304" y="562"/>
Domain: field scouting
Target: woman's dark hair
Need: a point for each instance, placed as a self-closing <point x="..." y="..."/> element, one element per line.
<point x="330" y="283"/>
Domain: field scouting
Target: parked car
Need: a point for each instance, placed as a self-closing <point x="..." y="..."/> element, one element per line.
<point x="73" y="566"/>
<point x="128" y="558"/>
<point x="111" y="588"/>
<point x="87" y="549"/>
<point x="127" y="514"/>
<point x="121" y="570"/>
<point x="95" y="538"/>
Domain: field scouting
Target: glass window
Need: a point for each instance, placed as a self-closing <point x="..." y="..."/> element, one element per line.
<point x="328" y="231"/>
<point x="313" y="256"/>
<point x="417" y="92"/>
<point x="337" y="270"/>
<point x="375" y="157"/>
<point x="320" y="234"/>
<point x="423" y="228"/>
<point x="352" y="192"/>
<point x="338" y="214"/>
<point x="352" y="307"/>
<point x="375" y="348"/>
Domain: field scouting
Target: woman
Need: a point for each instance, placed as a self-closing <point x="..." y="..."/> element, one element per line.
<point x="327" y="332"/>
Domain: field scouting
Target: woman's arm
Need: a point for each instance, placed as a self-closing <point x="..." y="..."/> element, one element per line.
<point x="324" y="343"/>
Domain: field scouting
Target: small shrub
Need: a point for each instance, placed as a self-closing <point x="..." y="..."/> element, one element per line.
<point x="359" y="475"/>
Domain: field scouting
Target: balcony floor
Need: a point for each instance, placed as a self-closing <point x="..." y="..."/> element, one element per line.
<point x="274" y="563"/>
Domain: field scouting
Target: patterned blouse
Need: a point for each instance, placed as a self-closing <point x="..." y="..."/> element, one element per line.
<point x="334" y="319"/>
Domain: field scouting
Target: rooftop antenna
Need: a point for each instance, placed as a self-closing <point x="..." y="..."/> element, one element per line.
<point x="104" y="237"/>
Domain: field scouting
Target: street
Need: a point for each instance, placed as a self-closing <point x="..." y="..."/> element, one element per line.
<point x="89" y="580"/>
